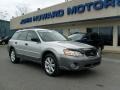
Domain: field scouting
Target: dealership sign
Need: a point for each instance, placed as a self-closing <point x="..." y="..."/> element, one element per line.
<point x="78" y="9"/>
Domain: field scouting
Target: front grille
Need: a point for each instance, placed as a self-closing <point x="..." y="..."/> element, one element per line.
<point x="91" y="52"/>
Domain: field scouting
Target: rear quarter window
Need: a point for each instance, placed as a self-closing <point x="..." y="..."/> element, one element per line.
<point x="20" y="35"/>
<point x="15" y="36"/>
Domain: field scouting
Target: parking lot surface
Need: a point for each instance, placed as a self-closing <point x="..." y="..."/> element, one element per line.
<point x="30" y="76"/>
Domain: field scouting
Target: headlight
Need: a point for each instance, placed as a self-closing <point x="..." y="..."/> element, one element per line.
<point x="68" y="52"/>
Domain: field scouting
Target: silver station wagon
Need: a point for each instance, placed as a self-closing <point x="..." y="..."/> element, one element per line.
<point x="54" y="51"/>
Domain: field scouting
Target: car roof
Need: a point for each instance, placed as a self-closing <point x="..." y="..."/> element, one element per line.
<point x="34" y="29"/>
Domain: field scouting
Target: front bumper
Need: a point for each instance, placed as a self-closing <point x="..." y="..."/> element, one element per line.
<point x="79" y="63"/>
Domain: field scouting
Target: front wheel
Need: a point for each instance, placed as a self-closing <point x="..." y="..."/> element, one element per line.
<point x="13" y="57"/>
<point x="50" y="65"/>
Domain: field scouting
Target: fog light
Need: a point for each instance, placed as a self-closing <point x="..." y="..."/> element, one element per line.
<point x="74" y="66"/>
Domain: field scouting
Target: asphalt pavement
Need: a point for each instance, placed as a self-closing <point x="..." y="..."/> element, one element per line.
<point x="30" y="76"/>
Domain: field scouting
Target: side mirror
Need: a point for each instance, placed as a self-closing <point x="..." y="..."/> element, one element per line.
<point x="85" y="39"/>
<point x="35" y="40"/>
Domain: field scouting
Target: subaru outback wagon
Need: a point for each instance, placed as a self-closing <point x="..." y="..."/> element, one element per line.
<point x="52" y="50"/>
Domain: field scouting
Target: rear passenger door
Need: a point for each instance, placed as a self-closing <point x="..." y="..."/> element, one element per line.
<point x="33" y="48"/>
<point x="20" y="43"/>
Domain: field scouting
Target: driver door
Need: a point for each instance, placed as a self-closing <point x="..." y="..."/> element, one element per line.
<point x="33" y="48"/>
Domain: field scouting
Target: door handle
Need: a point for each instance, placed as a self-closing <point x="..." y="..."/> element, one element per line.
<point x="26" y="44"/>
<point x="15" y="42"/>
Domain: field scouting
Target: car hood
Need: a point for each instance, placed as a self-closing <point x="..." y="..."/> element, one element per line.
<point x="70" y="44"/>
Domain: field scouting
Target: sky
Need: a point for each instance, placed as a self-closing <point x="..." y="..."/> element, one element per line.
<point x="9" y="6"/>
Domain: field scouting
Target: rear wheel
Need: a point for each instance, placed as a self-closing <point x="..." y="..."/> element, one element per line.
<point x="50" y="65"/>
<point x="13" y="56"/>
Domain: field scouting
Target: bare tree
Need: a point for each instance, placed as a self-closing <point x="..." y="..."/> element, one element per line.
<point x="22" y="9"/>
<point x="67" y="0"/>
<point x="4" y="15"/>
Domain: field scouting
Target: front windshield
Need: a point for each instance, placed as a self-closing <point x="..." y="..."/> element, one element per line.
<point x="48" y="36"/>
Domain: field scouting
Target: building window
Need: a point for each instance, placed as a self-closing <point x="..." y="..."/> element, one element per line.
<point x="106" y="34"/>
<point x="72" y="31"/>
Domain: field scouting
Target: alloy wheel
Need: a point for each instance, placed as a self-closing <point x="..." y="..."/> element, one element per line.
<point x="49" y="65"/>
<point x="12" y="56"/>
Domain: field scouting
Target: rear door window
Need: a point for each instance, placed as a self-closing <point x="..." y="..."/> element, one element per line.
<point x="22" y="35"/>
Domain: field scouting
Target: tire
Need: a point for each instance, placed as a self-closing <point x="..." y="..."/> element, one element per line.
<point x="3" y="43"/>
<point x="50" y="65"/>
<point x="13" y="57"/>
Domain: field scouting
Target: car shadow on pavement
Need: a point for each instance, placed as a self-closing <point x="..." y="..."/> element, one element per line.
<point x="79" y="74"/>
<point x="33" y="65"/>
<point x="68" y="74"/>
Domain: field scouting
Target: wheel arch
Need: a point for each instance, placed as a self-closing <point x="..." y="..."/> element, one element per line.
<point x="48" y="52"/>
<point x="11" y="47"/>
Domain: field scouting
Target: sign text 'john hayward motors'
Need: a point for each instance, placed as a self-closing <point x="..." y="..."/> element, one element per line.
<point x="78" y="9"/>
